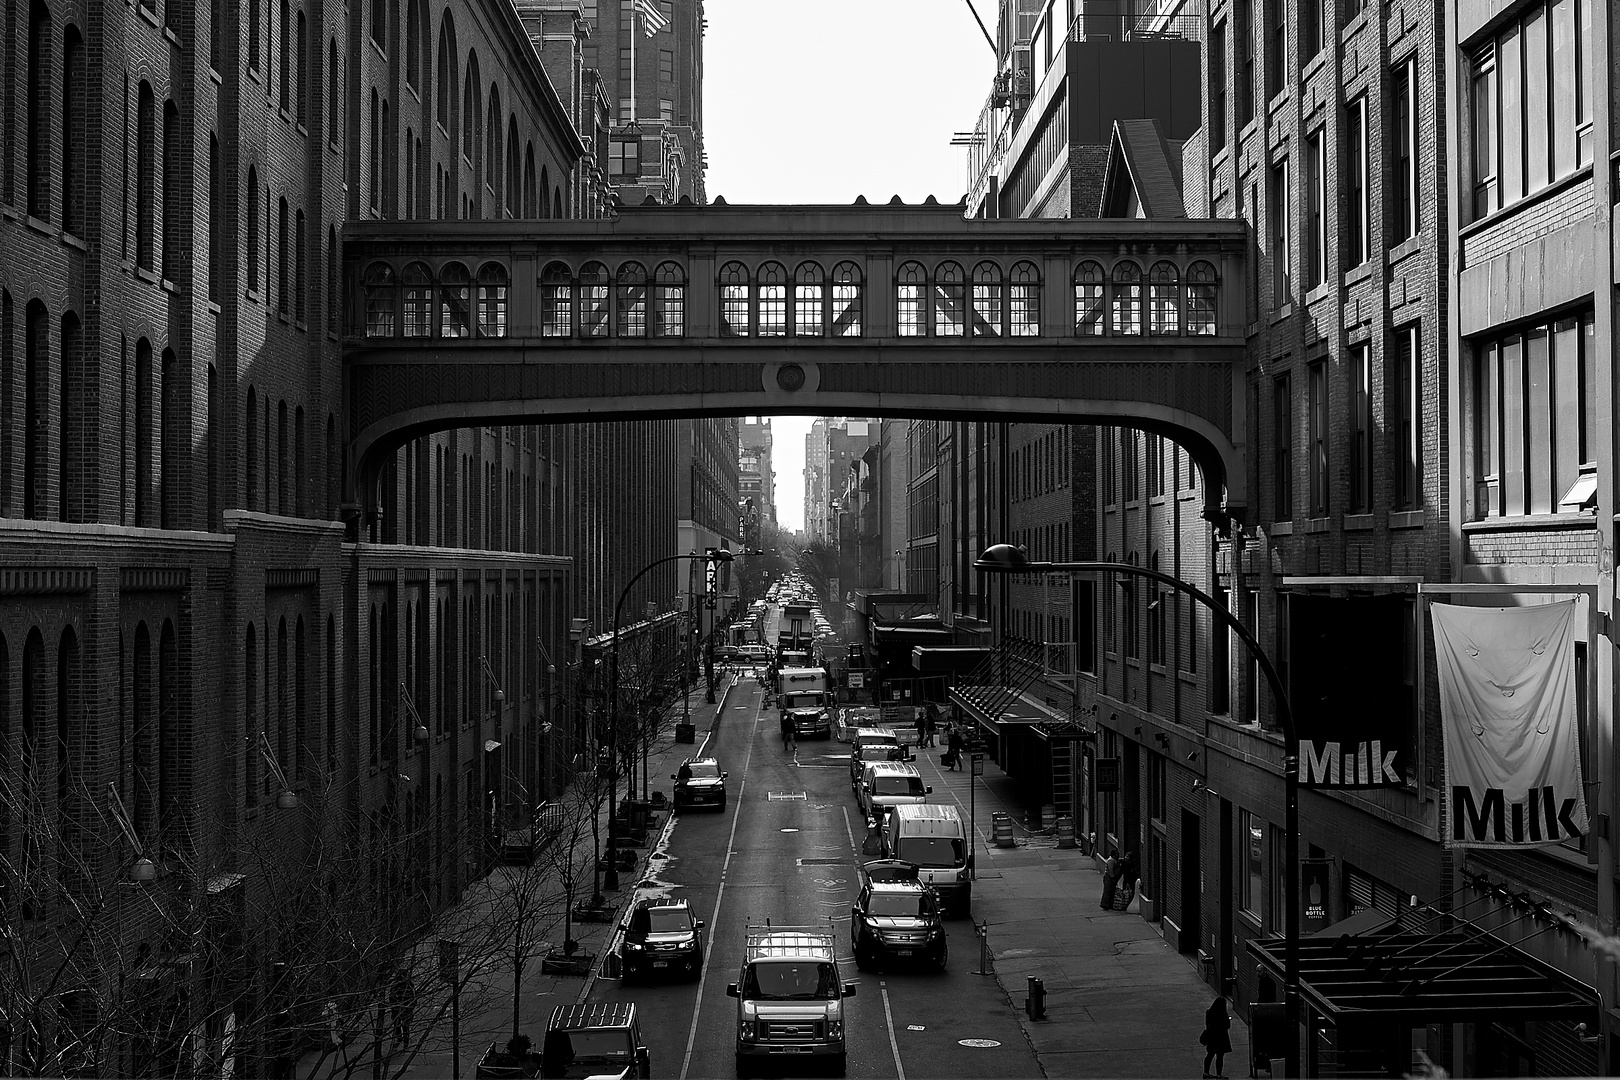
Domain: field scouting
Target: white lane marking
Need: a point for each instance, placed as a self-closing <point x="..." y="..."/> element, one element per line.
<point x="714" y="916"/>
<point x="854" y="847"/>
<point x="894" y="1045"/>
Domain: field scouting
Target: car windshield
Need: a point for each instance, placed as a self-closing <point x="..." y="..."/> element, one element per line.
<point x="665" y="920"/>
<point x="907" y="905"/>
<point x="700" y="770"/>
<point x="881" y="742"/>
<point x="897" y="785"/>
<point x="801" y="701"/>
<point x="935" y="851"/>
<point x="574" y="1054"/>
<point x="791" y="980"/>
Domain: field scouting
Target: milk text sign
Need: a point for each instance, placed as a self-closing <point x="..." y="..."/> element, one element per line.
<point x="1507" y="702"/>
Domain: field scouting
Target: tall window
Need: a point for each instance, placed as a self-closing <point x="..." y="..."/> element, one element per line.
<point x="455" y="301"/>
<point x="74" y="129"/>
<point x="1023" y="300"/>
<point x="416" y="295"/>
<point x="1282" y="456"/>
<point x="281" y="257"/>
<point x="284" y="67"/>
<point x="949" y="300"/>
<point x="1281" y="279"/>
<point x="911" y="299"/>
<point x="1312" y="18"/>
<point x="1276" y="48"/>
<point x="631" y="288"/>
<point x="846" y="300"/>
<point x="298" y="268"/>
<point x="253" y="43"/>
<point x="379" y="296"/>
<point x="771" y="286"/>
<point x="1360" y="429"/>
<point x="593" y="300"/>
<point x="1243" y="33"/>
<point x="1404" y="412"/>
<point x="734" y="300"/>
<point x="39" y="94"/>
<point x="252" y="224"/>
<point x="987" y="308"/>
<point x="669" y="300"/>
<point x="376" y="156"/>
<point x="301" y="73"/>
<point x="1088" y="299"/>
<point x="557" y="301"/>
<point x="1315" y="219"/>
<point x="492" y="286"/>
<point x="216" y="220"/>
<point x="172" y="258"/>
<point x="1403" y="139"/>
<point x="1126" y="298"/>
<point x="145" y="178"/>
<point x="1201" y="286"/>
<point x="1316" y="437"/>
<point x="334" y="94"/>
<point x="1164" y="298"/>
<point x="1356" y="241"/>
<point x="809" y="301"/>
<point x="1252" y="868"/>
<point x="1217" y="87"/>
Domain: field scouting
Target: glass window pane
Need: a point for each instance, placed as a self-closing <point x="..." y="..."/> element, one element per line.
<point x="1565" y="71"/>
<point x="1510" y="70"/>
<point x="1536" y="135"/>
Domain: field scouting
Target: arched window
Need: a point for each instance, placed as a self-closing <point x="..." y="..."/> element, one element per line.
<point x="1164" y="298"/>
<point x="809" y="301"/>
<point x="414" y="16"/>
<point x="556" y="301"/>
<point x="911" y="300"/>
<point x="379" y="23"/>
<point x="472" y="112"/>
<point x="514" y="171"/>
<point x="455" y="300"/>
<point x="530" y="192"/>
<point x="301" y="73"/>
<point x="556" y="203"/>
<point x="145" y="177"/>
<point x="492" y="279"/>
<point x="545" y="192"/>
<point x="771" y="290"/>
<point x="250" y="433"/>
<point x="988" y="312"/>
<point x="445" y="107"/>
<point x="492" y="149"/>
<point x="950" y="299"/>
<point x="631" y="300"/>
<point x="284" y="67"/>
<point x="334" y="95"/>
<point x="74" y="131"/>
<point x="1126" y="298"/>
<point x="1201" y="285"/>
<point x="593" y="300"/>
<point x="1088" y="299"/>
<point x="416" y="291"/>
<point x="39" y="109"/>
<point x="846" y="300"/>
<point x="1024" y="300"/>
<point x="669" y="300"/>
<point x="734" y="300"/>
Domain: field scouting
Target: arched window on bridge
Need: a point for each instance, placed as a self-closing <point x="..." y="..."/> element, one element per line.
<point x="809" y="301"/>
<point x="455" y="298"/>
<point x="987" y="309"/>
<point x="492" y="280"/>
<point x="380" y="290"/>
<point x="669" y="300"/>
<point x="1126" y="298"/>
<point x="1024" y="300"/>
<point x="416" y="289"/>
<point x="911" y="300"/>
<point x="1164" y="298"/>
<point x="1201" y="299"/>
<point x="1088" y="299"/>
<point x="631" y="301"/>
<point x="770" y="286"/>
<point x="846" y="300"/>
<point x="734" y="300"/>
<point x="593" y="300"/>
<point x="950" y="299"/>
<point x="556" y="301"/>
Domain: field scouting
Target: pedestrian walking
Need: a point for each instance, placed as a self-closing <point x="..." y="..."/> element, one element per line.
<point x="1216" y="1037"/>
<point x="920" y="721"/>
<point x="788" y="734"/>
<point x="1111" y="872"/>
<point x="953" y="752"/>
<point x="930" y="722"/>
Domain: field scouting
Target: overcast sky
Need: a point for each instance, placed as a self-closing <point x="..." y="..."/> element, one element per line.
<point x="818" y="101"/>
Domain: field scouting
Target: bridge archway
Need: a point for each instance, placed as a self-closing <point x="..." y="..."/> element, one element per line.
<point x="692" y="311"/>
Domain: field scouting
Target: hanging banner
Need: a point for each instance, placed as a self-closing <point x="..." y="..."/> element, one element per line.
<point x="1507" y="702"/>
<point x="1352" y="708"/>
<point x="1314" y="888"/>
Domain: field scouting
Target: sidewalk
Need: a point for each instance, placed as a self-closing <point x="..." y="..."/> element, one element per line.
<point x="1120" y="1001"/>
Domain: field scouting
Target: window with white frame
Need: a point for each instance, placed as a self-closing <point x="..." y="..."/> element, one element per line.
<point x="1356" y="240"/>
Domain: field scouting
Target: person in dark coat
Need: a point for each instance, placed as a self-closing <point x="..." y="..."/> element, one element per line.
<point x="1111" y="872"/>
<point x="1217" y="1037"/>
<point x="953" y="743"/>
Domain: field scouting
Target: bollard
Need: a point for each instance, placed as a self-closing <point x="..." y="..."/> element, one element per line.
<point x="1065" y="831"/>
<point x="1001" y="833"/>
<point x="1048" y="813"/>
<point x="1035" y="1003"/>
<point x="982" y="932"/>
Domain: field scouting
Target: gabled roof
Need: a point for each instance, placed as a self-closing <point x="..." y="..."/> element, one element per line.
<point x="1142" y="178"/>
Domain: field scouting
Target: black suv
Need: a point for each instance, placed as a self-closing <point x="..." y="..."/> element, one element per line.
<point x="898" y="919"/>
<point x="662" y="938"/>
<point x="700" y="783"/>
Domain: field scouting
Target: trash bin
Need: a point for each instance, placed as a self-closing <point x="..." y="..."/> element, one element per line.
<point x="686" y="733"/>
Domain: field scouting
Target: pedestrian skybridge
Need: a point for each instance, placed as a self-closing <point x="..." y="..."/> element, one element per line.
<point x="894" y="311"/>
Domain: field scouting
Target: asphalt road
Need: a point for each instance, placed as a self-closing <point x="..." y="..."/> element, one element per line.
<point x="785" y="849"/>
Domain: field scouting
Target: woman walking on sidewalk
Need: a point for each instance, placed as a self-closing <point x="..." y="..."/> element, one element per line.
<point x="1216" y="1037"/>
<point x="789" y="736"/>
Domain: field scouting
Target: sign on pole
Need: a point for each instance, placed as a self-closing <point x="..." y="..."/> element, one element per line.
<point x="978" y="764"/>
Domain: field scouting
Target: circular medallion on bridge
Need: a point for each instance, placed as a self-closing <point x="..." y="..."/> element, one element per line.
<point x="790" y="377"/>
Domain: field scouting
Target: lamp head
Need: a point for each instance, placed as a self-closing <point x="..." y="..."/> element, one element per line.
<point x="1003" y="559"/>
<point x="287" y="800"/>
<point x="422" y="734"/>
<point x="143" y="870"/>
<point x="500" y="695"/>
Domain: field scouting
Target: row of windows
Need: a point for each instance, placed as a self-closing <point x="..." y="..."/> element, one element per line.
<point x="416" y="302"/>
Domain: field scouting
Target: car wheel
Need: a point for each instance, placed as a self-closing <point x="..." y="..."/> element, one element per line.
<point x="860" y="954"/>
<point x="944" y="955"/>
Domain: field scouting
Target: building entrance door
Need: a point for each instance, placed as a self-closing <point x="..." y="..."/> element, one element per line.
<point x="1192" y="873"/>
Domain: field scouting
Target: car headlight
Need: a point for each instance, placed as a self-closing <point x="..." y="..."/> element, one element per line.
<point x="835" y="1029"/>
<point x="745" y="1030"/>
<point x="634" y="946"/>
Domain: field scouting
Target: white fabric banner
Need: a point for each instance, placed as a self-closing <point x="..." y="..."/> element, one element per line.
<point x="1507" y="703"/>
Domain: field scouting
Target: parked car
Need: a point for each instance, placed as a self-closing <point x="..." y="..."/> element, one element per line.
<point x="699" y="782"/>
<point x="898" y="920"/>
<point x="885" y="870"/>
<point x="872" y="744"/>
<point x="663" y="937"/>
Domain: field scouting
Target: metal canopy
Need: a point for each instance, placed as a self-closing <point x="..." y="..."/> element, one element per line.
<point x="1411" y="978"/>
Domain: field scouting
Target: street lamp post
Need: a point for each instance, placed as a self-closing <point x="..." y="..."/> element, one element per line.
<point x="1007" y="559"/>
<point x="712" y="555"/>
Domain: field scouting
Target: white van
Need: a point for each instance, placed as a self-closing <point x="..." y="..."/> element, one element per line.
<point x="933" y="839"/>
<point x="886" y="784"/>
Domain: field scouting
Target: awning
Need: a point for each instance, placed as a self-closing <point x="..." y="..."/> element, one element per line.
<point x="1412" y="979"/>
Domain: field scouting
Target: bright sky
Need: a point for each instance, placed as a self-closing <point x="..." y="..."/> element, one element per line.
<point x="818" y="101"/>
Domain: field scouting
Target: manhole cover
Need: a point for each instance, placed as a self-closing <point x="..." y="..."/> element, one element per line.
<point x="978" y="1044"/>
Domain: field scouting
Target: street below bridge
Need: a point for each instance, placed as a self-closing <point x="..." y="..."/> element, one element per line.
<point x="785" y="849"/>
